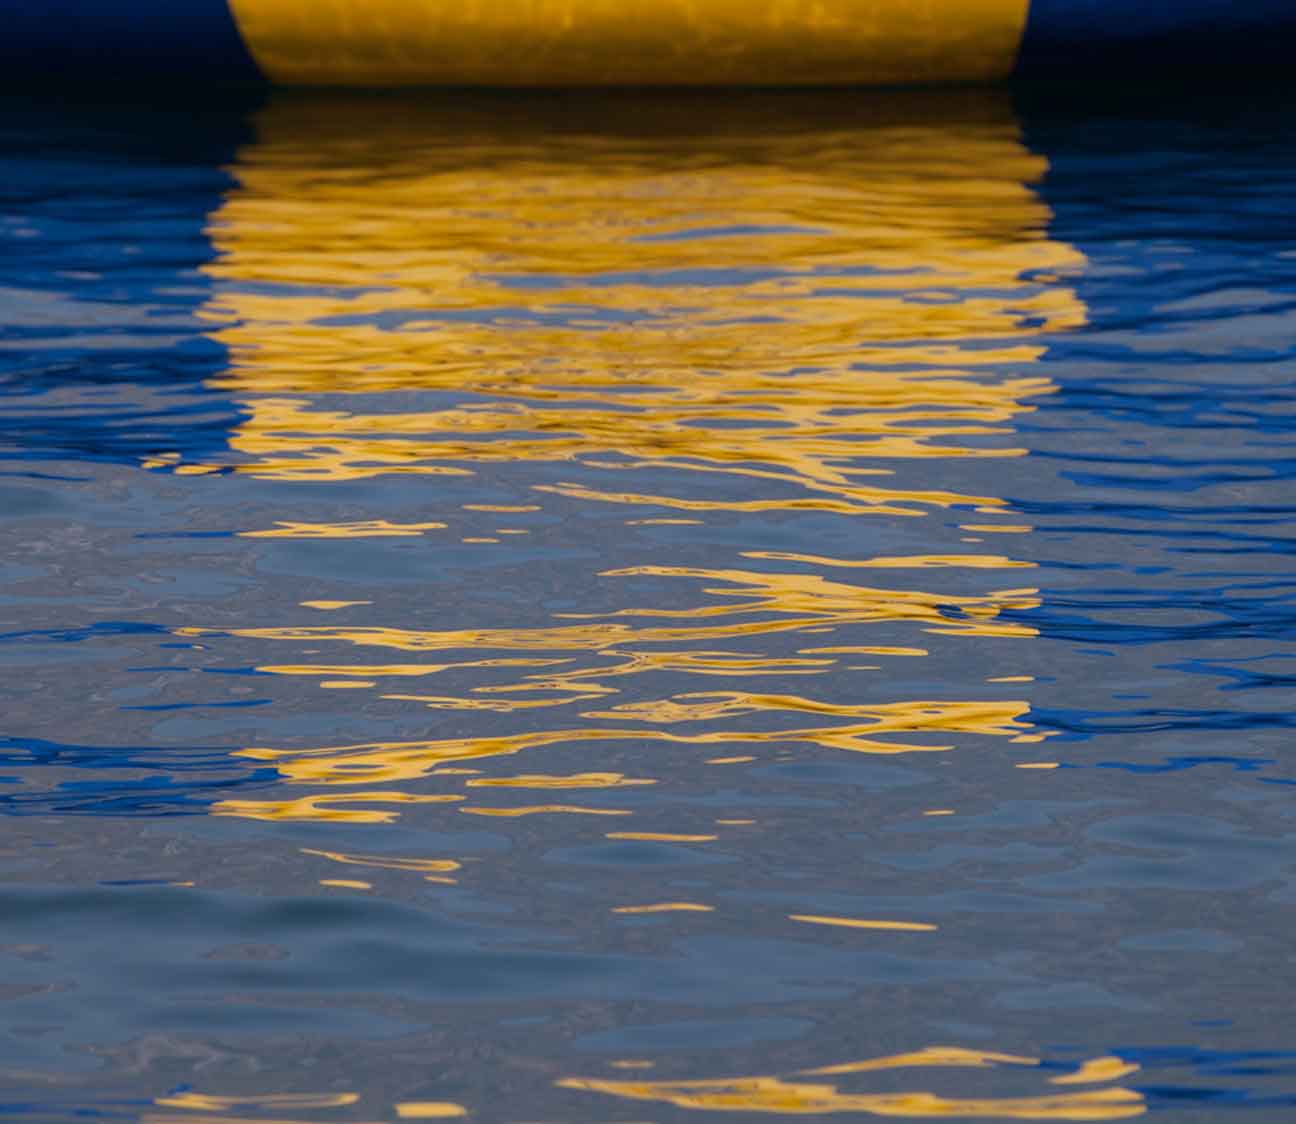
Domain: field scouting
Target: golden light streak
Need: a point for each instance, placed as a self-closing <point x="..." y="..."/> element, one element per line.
<point x="859" y="923"/>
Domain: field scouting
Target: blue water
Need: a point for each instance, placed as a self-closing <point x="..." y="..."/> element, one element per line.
<point x="561" y="609"/>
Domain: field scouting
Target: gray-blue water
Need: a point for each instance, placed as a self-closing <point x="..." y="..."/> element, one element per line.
<point x="633" y="608"/>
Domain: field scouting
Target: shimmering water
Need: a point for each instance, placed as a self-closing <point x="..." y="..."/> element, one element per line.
<point x="618" y="609"/>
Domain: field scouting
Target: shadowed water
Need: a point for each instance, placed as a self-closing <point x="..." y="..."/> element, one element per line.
<point x="620" y="608"/>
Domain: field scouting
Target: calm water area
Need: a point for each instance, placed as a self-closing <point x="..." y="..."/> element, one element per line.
<point x="626" y="609"/>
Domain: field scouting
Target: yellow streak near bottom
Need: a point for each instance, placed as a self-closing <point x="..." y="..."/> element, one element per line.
<point x="802" y="1098"/>
<point x="855" y="923"/>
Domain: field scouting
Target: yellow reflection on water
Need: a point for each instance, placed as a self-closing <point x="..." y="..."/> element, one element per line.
<point x="861" y="923"/>
<point x="805" y="1098"/>
<point x="388" y="862"/>
<point x="264" y="1102"/>
<point x="364" y="529"/>
<point x="429" y="1110"/>
<point x="779" y="292"/>
<point x="718" y="308"/>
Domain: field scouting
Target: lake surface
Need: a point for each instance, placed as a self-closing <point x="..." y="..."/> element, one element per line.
<point x="620" y="609"/>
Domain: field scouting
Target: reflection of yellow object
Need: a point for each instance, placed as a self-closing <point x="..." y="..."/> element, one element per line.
<point x="366" y="529"/>
<point x="662" y="836"/>
<point x="912" y="562"/>
<point x="781" y="309"/>
<point x="1098" y="1069"/>
<point x="802" y="1098"/>
<point x="322" y="807"/>
<point x="388" y="862"/>
<point x="599" y="289"/>
<point x="429" y="1110"/>
<point x="329" y="606"/>
<point x="266" y="1102"/>
<point x="932" y="1056"/>
<point x="542" y="809"/>
<point x="602" y="43"/>
<point x="346" y="883"/>
<point x="665" y="907"/>
<point x="859" y="923"/>
<point x="577" y="780"/>
<point x="403" y="761"/>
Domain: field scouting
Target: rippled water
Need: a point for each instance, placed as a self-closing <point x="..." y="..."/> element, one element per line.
<point x="614" y="609"/>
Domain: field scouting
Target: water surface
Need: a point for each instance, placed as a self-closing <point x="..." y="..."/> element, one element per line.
<point x="625" y="609"/>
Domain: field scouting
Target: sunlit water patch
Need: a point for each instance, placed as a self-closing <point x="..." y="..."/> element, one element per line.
<point x="570" y="609"/>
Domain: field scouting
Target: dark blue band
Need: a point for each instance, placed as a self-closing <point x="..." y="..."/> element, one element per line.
<point x="68" y="40"/>
<point x="1093" y="37"/>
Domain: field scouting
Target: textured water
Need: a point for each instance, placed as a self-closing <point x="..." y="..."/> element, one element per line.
<point x="636" y="608"/>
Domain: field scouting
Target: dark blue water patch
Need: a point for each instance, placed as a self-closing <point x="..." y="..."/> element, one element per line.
<point x="67" y="42"/>
<point x="168" y="669"/>
<point x="103" y="215"/>
<point x="1061" y="616"/>
<point x="1238" y="675"/>
<point x="100" y="630"/>
<point x="168" y="535"/>
<point x="176" y="781"/>
<point x="125" y="434"/>
<point x="1179" y="764"/>
<point x="1210" y="1067"/>
<point x="45" y="1107"/>
<point x="1085" y="724"/>
<point x="1092" y="40"/>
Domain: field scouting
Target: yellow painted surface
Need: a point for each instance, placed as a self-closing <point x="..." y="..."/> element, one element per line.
<point x="607" y="42"/>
